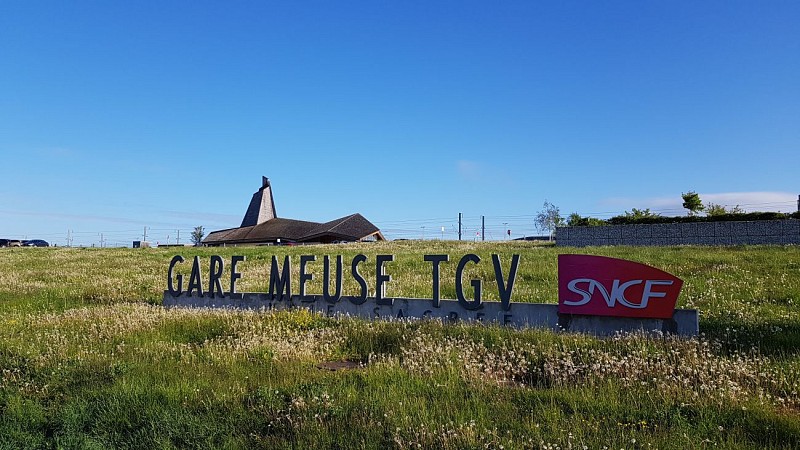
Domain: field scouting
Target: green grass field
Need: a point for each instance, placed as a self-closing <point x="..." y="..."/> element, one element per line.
<point x="90" y="360"/>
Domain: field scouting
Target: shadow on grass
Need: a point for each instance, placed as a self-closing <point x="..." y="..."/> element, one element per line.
<point x="615" y="413"/>
<point x="775" y="339"/>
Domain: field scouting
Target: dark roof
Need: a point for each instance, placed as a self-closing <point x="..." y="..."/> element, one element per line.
<point x="350" y="228"/>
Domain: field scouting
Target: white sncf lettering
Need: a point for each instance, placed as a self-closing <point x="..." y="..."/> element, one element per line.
<point x="617" y="294"/>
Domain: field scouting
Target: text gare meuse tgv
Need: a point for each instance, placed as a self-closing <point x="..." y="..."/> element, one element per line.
<point x="280" y="279"/>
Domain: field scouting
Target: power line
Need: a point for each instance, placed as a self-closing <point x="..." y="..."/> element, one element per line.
<point x="457" y="226"/>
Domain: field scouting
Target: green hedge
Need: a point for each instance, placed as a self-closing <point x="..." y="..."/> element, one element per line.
<point x="626" y="220"/>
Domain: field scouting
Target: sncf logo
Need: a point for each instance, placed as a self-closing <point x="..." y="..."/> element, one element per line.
<point x="617" y="294"/>
<point x="597" y="285"/>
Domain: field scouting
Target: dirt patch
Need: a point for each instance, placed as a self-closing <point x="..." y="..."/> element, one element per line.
<point x="334" y="366"/>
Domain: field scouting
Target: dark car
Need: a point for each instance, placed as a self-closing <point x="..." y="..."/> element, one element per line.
<point x="3" y="242"/>
<point x="35" y="243"/>
<point x="10" y="243"/>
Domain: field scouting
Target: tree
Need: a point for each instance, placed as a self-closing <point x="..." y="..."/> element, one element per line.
<point x="549" y="218"/>
<point x="197" y="235"/>
<point x="691" y="201"/>
<point x="636" y="214"/>
<point x="713" y="209"/>
<point x="576" y="220"/>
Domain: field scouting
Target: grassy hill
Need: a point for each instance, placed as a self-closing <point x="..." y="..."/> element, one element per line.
<point x="90" y="360"/>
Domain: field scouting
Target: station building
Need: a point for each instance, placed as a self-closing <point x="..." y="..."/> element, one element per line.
<point x="262" y="226"/>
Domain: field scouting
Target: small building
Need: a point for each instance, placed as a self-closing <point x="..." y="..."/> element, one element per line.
<point x="262" y="226"/>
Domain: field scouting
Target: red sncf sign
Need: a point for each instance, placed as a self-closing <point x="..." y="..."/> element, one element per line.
<point x="602" y="286"/>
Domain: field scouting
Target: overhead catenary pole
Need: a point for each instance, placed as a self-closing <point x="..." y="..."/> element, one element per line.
<point x="179" y="238"/>
<point x="459" y="226"/>
<point x="483" y="228"/>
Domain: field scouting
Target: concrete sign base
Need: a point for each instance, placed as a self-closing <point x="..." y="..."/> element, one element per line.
<point x="685" y="322"/>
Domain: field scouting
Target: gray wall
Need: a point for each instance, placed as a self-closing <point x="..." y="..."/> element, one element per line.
<point x="699" y="233"/>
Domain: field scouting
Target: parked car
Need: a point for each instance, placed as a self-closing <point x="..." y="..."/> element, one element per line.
<point x="3" y="242"/>
<point x="13" y="243"/>
<point x="35" y="243"/>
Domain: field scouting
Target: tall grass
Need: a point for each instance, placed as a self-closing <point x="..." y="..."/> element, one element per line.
<point x="90" y="360"/>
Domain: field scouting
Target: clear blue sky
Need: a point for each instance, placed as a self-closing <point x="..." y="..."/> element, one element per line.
<point x="119" y="115"/>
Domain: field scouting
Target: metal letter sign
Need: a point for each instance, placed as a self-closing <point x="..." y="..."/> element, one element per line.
<point x="602" y="286"/>
<point x="628" y="296"/>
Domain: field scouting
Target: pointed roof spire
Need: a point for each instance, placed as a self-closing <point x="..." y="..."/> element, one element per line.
<point x="262" y="206"/>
